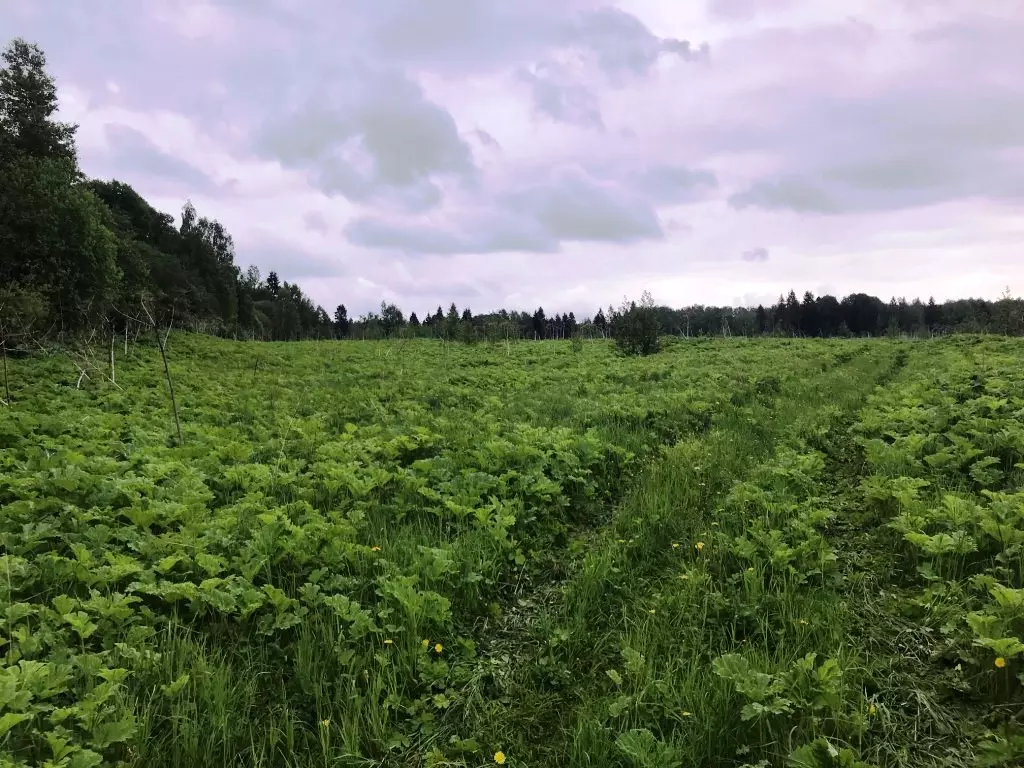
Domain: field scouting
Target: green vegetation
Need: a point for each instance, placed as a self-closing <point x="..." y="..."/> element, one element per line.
<point x="735" y="552"/>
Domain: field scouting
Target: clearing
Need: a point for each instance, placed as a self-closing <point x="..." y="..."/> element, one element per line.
<point x="758" y="552"/>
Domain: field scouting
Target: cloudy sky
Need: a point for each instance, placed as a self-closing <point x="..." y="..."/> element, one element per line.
<point x="565" y="153"/>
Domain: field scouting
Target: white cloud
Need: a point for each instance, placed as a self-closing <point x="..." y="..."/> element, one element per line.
<point x="536" y="152"/>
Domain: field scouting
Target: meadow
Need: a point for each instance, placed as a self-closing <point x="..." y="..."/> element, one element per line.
<point x="736" y="552"/>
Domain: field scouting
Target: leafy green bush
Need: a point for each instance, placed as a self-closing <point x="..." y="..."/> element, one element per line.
<point x="636" y="329"/>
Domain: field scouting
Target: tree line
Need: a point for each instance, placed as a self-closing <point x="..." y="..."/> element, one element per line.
<point x="812" y="316"/>
<point x="80" y="254"/>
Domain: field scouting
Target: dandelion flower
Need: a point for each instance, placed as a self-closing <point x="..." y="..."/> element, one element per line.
<point x="389" y="641"/>
<point x="699" y="546"/>
<point x="1000" y="662"/>
<point x="438" y="647"/>
<point x="675" y="545"/>
<point x="499" y="757"/>
<point x="375" y="549"/>
<point x="425" y="643"/>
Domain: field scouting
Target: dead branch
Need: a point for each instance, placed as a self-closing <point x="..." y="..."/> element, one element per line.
<point x="112" y="337"/>
<point x="167" y="370"/>
<point x="7" y="385"/>
<point x="169" y="324"/>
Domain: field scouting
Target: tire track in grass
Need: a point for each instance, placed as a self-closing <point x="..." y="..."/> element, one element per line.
<point x="547" y="678"/>
<point x="930" y="715"/>
<point x="672" y="629"/>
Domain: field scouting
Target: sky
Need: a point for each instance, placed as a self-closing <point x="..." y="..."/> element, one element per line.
<point x="565" y="153"/>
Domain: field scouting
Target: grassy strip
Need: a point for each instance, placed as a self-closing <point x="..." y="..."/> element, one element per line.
<point x="562" y="699"/>
<point x="936" y="557"/>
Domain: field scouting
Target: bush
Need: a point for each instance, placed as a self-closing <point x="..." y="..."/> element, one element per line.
<point x="635" y="328"/>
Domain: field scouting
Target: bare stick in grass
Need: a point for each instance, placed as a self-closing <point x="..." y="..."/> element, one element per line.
<point x="112" y="337"/>
<point x="160" y="342"/>
<point x="7" y="385"/>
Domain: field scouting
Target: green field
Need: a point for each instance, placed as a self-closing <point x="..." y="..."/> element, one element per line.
<point x="735" y="552"/>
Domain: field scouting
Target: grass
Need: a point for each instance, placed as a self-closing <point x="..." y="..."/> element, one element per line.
<point x="424" y="554"/>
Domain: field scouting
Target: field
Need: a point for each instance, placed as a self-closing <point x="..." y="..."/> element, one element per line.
<point x="736" y="552"/>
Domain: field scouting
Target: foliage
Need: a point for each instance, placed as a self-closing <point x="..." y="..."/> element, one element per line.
<point x="411" y="554"/>
<point x="635" y="328"/>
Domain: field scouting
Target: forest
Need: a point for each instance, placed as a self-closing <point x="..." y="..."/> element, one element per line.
<point x="79" y="254"/>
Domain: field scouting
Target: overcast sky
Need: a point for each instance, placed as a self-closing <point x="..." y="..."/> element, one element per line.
<point x="565" y="153"/>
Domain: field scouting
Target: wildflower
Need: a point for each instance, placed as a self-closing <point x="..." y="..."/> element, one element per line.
<point x="872" y="709"/>
<point x="750" y="569"/>
<point x="325" y="722"/>
<point x="675" y="545"/>
<point x="425" y="643"/>
<point x="699" y="546"/>
<point x="621" y="541"/>
<point x="499" y="757"/>
<point x="684" y="576"/>
<point x="389" y="641"/>
<point x="651" y="611"/>
<point x="438" y="647"/>
<point x="687" y="714"/>
<point x="803" y="621"/>
<point x="375" y="549"/>
<point x="1000" y="662"/>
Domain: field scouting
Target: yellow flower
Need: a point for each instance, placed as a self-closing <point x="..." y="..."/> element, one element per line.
<point x="750" y="570"/>
<point x="675" y="545"/>
<point x="389" y="641"/>
<point x="425" y="643"/>
<point x="438" y="647"/>
<point x="325" y="722"/>
<point x="375" y="549"/>
<point x="803" y="621"/>
<point x="1000" y="662"/>
<point x="684" y="576"/>
<point x="499" y="757"/>
<point x="687" y="714"/>
<point x="872" y="709"/>
<point x="699" y="546"/>
<point x="651" y="611"/>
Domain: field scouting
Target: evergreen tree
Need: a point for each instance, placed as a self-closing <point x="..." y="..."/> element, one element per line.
<point x="762" y="319"/>
<point x="809" y="315"/>
<point x="451" y="322"/>
<point x="342" y="324"/>
<point x="539" y="324"/>
<point x="273" y="284"/>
